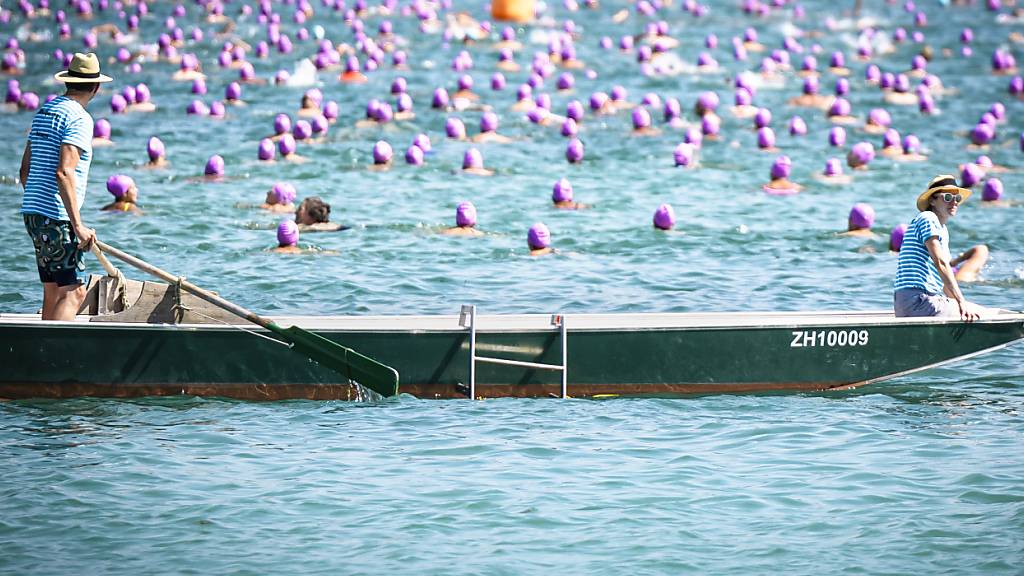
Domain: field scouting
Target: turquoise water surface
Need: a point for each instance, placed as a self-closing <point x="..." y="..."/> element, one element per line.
<point x="920" y="474"/>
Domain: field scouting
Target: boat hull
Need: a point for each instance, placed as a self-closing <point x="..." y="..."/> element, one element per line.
<point x="624" y="355"/>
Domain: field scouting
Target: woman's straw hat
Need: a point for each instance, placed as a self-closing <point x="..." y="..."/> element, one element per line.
<point x="941" y="183"/>
<point x="83" y="68"/>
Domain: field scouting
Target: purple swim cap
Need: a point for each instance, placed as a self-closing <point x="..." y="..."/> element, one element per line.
<point x="155" y="148"/>
<point x="840" y="107"/>
<point x="618" y="94"/>
<point x="664" y="217"/>
<point x="282" y="124"/>
<point x="574" y="151"/>
<point x="142" y="93"/>
<point x="993" y="190"/>
<point x="265" y="151"/>
<point x="440" y="99"/>
<point x="810" y="85"/>
<point x="465" y="215"/>
<point x="742" y="97"/>
<point x="422" y="141"/>
<point x="497" y="81"/>
<point x="199" y="86"/>
<point x="672" y="109"/>
<point x="217" y="109"/>
<point x="706" y="102"/>
<point x="574" y="110"/>
<point x="833" y="167"/>
<point x="118" y="104"/>
<point x="399" y="86"/>
<point x="319" y="124"/>
<point x="765" y="137"/>
<point x="837" y="136"/>
<point x="101" y="129"/>
<point x="302" y="130"/>
<point x="488" y="122"/>
<point x="539" y="237"/>
<point x="862" y="216"/>
<point x="797" y="126"/>
<point x="382" y="152"/>
<point x="911" y="144"/>
<point x="119" y="184"/>
<point x="565" y="81"/>
<point x="472" y="159"/>
<point x="233" y="91"/>
<point x="284" y="192"/>
<point x="465" y="82"/>
<point x="286" y="145"/>
<point x="287" y="233"/>
<point x="1016" y="86"/>
<point x="454" y="128"/>
<point x="214" y="166"/>
<point x="838" y="60"/>
<point x="710" y="125"/>
<point x="414" y="155"/>
<point x="982" y="134"/>
<point x="683" y="154"/>
<point x="896" y="237"/>
<point x="598" y="100"/>
<point x="879" y="117"/>
<point x="891" y="138"/>
<point x="970" y="175"/>
<point x="781" y="167"/>
<point x="861" y="154"/>
<point x="641" y="118"/>
<point x="562" y="191"/>
<point x="762" y="118"/>
<point x="569" y="128"/>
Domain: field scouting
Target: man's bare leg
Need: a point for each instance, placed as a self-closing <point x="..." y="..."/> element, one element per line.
<point x="69" y="300"/>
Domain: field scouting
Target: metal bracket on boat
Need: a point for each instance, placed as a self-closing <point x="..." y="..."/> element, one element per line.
<point x="178" y="308"/>
<point x="467" y="319"/>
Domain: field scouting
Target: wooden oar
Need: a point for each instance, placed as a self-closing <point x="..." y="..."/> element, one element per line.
<point x="349" y="363"/>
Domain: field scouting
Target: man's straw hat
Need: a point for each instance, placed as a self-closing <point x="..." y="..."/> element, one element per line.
<point x="83" y="68"/>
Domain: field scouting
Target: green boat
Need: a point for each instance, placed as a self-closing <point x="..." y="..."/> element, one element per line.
<point x="155" y="340"/>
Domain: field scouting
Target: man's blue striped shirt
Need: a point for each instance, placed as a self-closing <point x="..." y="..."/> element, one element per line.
<point x="916" y="268"/>
<point x="60" y="121"/>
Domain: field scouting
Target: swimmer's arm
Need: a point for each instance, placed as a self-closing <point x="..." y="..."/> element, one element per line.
<point x="958" y="260"/>
<point x="26" y="160"/>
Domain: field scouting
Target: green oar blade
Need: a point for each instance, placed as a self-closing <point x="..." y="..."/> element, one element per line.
<point x="366" y="371"/>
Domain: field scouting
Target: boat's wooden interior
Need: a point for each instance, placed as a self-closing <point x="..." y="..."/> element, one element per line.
<point x="158" y="304"/>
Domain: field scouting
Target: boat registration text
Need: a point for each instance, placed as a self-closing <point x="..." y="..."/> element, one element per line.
<point x="833" y="338"/>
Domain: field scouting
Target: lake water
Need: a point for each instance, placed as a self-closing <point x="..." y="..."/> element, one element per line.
<point x="920" y="474"/>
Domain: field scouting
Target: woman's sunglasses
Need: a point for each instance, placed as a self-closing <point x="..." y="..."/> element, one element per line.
<point x="949" y="198"/>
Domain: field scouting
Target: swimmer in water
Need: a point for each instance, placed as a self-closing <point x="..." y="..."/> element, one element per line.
<point x="473" y="163"/>
<point x="642" y="123"/>
<point x="992" y="195"/>
<point x="142" y="102"/>
<point x="810" y="97"/>
<point x="311" y="103"/>
<point x="465" y="221"/>
<point x="892" y="147"/>
<point x="156" y="153"/>
<point x="860" y="156"/>
<point x="664" y="217"/>
<point x="561" y="196"/>
<point x="780" y="183"/>
<point x="860" y="221"/>
<point x="280" y="198"/>
<point x="833" y="173"/>
<point x="878" y="121"/>
<point x="313" y="215"/>
<point x="126" y="194"/>
<point x="101" y="133"/>
<point x="911" y="150"/>
<point x="214" y="169"/>
<point x="286" y="146"/>
<point x="287" y="238"/>
<point x="382" y="155"/>
<point x="839" y="112"/>
<point x="489" y="130"/>
<point x="539" y="240"/>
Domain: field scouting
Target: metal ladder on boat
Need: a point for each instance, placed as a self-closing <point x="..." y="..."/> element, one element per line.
<point x="467" y="319"/>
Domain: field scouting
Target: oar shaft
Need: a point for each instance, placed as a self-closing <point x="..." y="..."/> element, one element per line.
<point x="186" y="285"/>
<point x="111" y="271"/>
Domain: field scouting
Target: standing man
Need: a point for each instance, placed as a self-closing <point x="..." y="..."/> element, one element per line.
<point x="925" y="281"/>
<point x="54" y="173"/>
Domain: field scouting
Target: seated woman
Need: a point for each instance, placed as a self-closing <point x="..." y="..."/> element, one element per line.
<point x="287" y="238"/>
<point x="126" y="194"/>
<point x="860" y="221"/>
<point x="561" y="196"/>
<point x="313" y="215"/>
<point x="465" y="221"/>
<point x="280" y="198"/>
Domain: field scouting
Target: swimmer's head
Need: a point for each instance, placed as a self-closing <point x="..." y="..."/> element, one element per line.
<point x="896" y="237"/>
<point x="302" y="130"/>
<point x="811" y="85"/>
<point x="101" y="129"/>
<point x="119" y="185"/>
<point x="454" y="128"/>
<point x="911" y="144"/>
<point x="414" y="155"/>
<point x="574" y="110"/>
<point x="860" y="155"/>
<point x="561" y="191"/>
<point x="265" y="151"/>
<point x="840" y="107"/>
<point x="781" y="167"/>
<point x="565" y="81"/>
<point x="283" y="193"/>
<point x="970" y="175"/>
<point x="993" y="190"/>
<point x="382" y="153"/>
<point x="743" y="97"/>
<point x="465" y="83"/>
<point x="422" y="141"/>
<point x="282" y="124"/>
<point x="797" y="126"/>
<point x="118" y="104"/>
<point x="538" y="237"/>
<point x="489" y="122"/>
<point x="683" y="154"/>
<point x="862" y="217"/>
<point x="155" y="148"/>
<point x="574" y="151"/>
<point x="982" y="134"/>
<point x="440" y="99"/>
<point x="472" y="159"/>
<point x="214" y="166"/>
<point x="842" y="86"/>
<point x="879" y="117"/>
<point x="598" y="100"/>
<point x="233" y="91"/>
<point x="641" y="118"/>
<point x="765" y="138"/>
<point x="833" y="167"/>
<point x="497" y="81"/>
<point x="672" y="109"/>
<point x="891" y="139"/>
<point x="286" y="145"/>
<point x="664" y="217"/>
<point x="838" y="60"/>
<point x="465" y="215"/>
<point x="287" y="233"/>
<point x="710" y="125"/>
